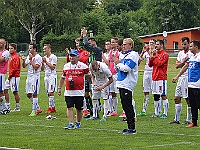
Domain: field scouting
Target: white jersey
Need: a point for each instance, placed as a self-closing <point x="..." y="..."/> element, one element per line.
<point x="102" y="75"/>
<point x="37" y="60"/>
<point x="146" y="56"/>
<point x="106" y="56"/>
<point x="181" y="56"/>
<point x="52" y="60"/>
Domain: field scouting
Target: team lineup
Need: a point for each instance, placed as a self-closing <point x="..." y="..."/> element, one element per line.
<point x="104" y="77"/>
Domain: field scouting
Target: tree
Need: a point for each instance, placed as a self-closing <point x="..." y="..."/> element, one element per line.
<point x="181" y="14"/>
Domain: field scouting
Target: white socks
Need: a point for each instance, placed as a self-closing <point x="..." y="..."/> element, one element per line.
<point x="95" y="108"/>
<point x="145" y="103"/>
<point x="115" y="102"/>
<point x="178" y="108"/>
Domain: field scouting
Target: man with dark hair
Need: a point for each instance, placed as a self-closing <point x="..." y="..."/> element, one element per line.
<point x="91" y="45"/>
<point x="34" y="62"/>
<point x="182" y="85"/>
<point x="193" y="66"/>
<point x="12" y="83"/>
<point x="159" y="61"/>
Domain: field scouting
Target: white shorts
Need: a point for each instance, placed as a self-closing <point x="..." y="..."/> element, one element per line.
<point x="13" y="84"/>
<point x="33" y="84"/>
<point x="2" y="82"/>
<point x="182" y="87"/>
<point x="100" y="94"/>
<point x="113" y="87"/>
<point x="50" y="83"/>
<point x="159" y="87"/>
<point x="147" y="81"/>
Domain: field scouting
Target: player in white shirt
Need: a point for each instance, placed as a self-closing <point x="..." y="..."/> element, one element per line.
<point x="182" y="85"/>
<point x="34" y="62"/>
<point x="147" y="78"/>
<point x="101" y="78"/>
<point x="49" y="62"/>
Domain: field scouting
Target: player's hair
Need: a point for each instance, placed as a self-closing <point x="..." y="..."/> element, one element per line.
<point x="48" y="45"/>
<point x="196" y="43"/>
<point x="185" y="38"/>
<point x="34" y="45"/>
<point x="120" y="42"/>
<point x="161" y="42"/>
<point x="92" y="39"/>
<point x="14" y="45"/>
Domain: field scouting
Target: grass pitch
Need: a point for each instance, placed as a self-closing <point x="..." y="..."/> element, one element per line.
<point x="19" y="130"/>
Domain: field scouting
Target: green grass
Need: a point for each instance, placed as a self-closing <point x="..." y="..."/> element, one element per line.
<point x="19" y="130"/>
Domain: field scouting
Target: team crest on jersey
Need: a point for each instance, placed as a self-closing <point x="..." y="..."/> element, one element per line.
<point x="79" y="66"/>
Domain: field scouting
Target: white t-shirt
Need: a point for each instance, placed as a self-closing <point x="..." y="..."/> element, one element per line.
<point x="146" y="56"/>
<point x="52" y="60"/>
<point x="37" y="60"/>
<point x="102" y="75"/>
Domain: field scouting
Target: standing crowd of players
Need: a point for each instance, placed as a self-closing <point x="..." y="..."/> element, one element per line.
<point x="109" y="73"/>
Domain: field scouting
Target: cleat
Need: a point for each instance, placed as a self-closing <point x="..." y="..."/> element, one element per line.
<point x="103" y="120"/>
<point x="108" y="114"/>
<point x="123" y="115"/>
<point x="32" y="114"/>
<point x="78" y="125"/>
<point x="191" y="125"/>
<point x="53" y="110"/>
<point x="70" y="126"/>
<point x="153" y="116"/>
<point x="174" y="122"/>
<point x="38" y="111"/>
<point x="48" y="111"/>
<point x="186" y="122"/>
<point x="15" y="110"/>
<point x="163" y="116"/>
<point x="160" y="114"/>
<point x="113" y="114"/>
<point x="130" y="131"/>
<point x="124" y="119"/>
<point x="93" y="118"/>
<point x="141" y="114"/>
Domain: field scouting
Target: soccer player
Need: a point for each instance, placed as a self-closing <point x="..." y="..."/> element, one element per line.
<point x="101" y="78"/>
<point x="74" y="74"/>
<point x="159" y="61"/>
<point x="12" y="83"/>
<point x="49" y="62"/>
<point x="113" y="88"/>
<point x="34" y="62"/>
<point x="147" y="78"/>
<point x="127" y="68"/>
<point x="4" y="56"/>
<point x="193" y="66"/>
<point x="182" y="85"/>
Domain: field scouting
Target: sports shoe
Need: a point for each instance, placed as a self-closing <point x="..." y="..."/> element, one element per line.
<point x="38" y="111"/>
<point x="130" y="131"/>
<point x="32" y="114"/>
<point x="113" y="114"/>
<point x="124" y="119"/>
<point x="49" y="110"/>
<point x="70" y="126"/>
<point x="141" y="114"/>
<point x="160" y="114"/>
<point x="108" y="114"/>
<point x="53" y="110"/>
<point x="93" y="118"/>
<point x="163" y="116"/>
<point x="191" y="125"/>
<point x="6" y="111"/>
<point x="186" y="122"/>
<point x="174" y="122"/>
<point x="15" y="110"/>
<point x="122" y="115"/>
<point x="78" y="125"/>
<point x="153" y="116"/>
<point x="103" y="119"/>
<point x="85" y="113"/>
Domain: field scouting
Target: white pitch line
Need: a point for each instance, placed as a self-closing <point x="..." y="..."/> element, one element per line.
<point x="170" y="144"/>
<point x="98" y="129"/>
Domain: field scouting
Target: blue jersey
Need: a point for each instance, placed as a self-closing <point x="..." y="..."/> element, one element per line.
<point x="194" y="71"/>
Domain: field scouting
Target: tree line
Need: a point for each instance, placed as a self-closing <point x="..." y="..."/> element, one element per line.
<point x="58" y="22"/>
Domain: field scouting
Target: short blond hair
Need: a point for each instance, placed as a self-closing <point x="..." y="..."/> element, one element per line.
<point x="130" y="41"/>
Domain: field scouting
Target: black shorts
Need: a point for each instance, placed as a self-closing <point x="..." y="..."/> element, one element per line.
<point x="74" y="101"/>
<point x="87" y="85"/>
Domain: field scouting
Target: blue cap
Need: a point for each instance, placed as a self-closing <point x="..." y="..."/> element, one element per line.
<point x="73" y="52"/>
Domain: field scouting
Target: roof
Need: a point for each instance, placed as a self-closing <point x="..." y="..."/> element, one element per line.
<point x="169" y="32"/>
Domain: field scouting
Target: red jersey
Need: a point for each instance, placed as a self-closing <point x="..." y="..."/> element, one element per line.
<point x="14" y="65"/>
<point x="159" y="64"/>
<point x="83" y="56"/>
